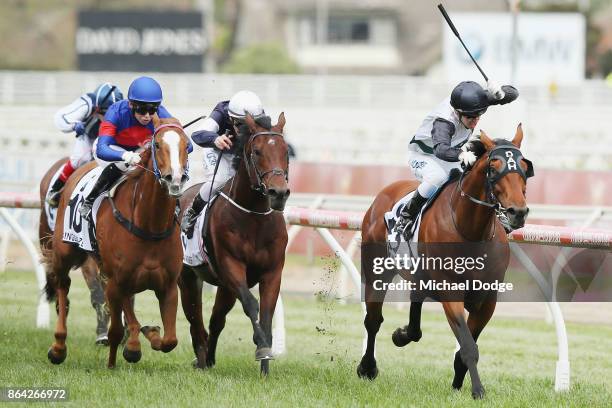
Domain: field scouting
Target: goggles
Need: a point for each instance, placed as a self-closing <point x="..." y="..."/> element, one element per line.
<point x="144" y="108"/>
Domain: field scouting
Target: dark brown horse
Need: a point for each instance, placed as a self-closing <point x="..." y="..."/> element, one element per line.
<point x="139" y="249"/>
<point x="462" y="213"/>
<point x="247" y="238"/>
<point x="89" y="268"/>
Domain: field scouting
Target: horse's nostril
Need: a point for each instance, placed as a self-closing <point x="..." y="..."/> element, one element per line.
<point x="168" y="177"/>
<point x="511" y="211"/>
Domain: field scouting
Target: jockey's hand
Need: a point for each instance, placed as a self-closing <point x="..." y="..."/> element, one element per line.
<point x="223" y="142"/>
<point x="130" y="158"/>
<point x="495" y="90"/>
<point x="79" y="128"/>
<point x="466" y="157"/>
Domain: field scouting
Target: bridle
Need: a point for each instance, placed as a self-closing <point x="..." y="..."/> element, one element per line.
<point x="156" y="171"/>
<point x="510" y="156"/>
<point x="250" y="163"/>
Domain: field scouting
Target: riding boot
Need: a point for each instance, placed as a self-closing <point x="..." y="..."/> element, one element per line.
<point x="110" y="174"/>
<point x="191" y="215"/>
<point x="409" y="213"/>
<point x="54" y="194"/>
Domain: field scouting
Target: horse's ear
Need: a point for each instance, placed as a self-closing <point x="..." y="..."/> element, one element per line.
<point x="156" y="121"/>
<point x="250" y="122"/>
<point x="486" y="141"/>
<point x="518" y="137"/>
<point x="280" y="124"/>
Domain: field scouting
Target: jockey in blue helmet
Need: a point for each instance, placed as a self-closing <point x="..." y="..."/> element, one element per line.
<point x="82" y="116"/>
<point x="126" y="126"/>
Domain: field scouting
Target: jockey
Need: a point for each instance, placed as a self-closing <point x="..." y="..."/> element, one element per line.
<point x="82" y="116"/>
<point x="439" y="144"/>
<point x="218" y="130"/>
<point x="126" y="126"/>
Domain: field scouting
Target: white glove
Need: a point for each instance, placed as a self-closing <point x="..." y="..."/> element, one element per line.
<point x="495" y="90"/>
<point x="130" y="158"/>
<point x="466" y="157"/>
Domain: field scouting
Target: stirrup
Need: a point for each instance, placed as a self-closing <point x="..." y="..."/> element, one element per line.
<point x="85" y="210"/>
<point x="53" y="198"/>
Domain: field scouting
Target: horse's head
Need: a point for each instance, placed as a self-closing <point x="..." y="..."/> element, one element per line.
<point x="266" y="158"/>
<point x="169" y="155"/>
<point x="507" y="172"/>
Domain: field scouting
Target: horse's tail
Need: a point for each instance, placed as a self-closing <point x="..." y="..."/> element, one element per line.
<point x="47" y="261"/>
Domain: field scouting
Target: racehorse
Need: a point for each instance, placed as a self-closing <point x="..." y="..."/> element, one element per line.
<point x="138" y="245"/>
<point x="464" y="212"/>
<point x="89" y="268"/>
<point x="246" y="239"/>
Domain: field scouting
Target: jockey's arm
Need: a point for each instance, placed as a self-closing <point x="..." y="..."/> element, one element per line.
<point x="106" y="138"/>
<point x="442" y="133"/>
<point x="66" y="118"/>
<point x="209" y="130"/>
<point x="510" y="94"/>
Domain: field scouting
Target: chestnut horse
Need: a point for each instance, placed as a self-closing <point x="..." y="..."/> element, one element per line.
<point x="246" y="239"/>
<point x="138" y="242"/>
<point x="464" y="212"/>
<point x="89" y="268"/>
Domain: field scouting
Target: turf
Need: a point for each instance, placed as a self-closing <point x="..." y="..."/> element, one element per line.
<point x="517" y="359"/>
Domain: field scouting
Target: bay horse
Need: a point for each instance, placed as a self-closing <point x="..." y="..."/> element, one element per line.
<point x="89" y="269"/>
<point x="138" y="245"/>
<point x="246" y="239"/>
<point x="464" y="212"/>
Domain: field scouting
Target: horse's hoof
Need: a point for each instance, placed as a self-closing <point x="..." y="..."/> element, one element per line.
<point x="131" y="356"/>
<point x="367" y="373"/>
<point x="478" y="392"/>
<point x="403" y="335"/>
<point x="56" y="359"/>
<point x="264" y="353"/>
<point x="102" y="340"/>
<point x="265" y="367"/>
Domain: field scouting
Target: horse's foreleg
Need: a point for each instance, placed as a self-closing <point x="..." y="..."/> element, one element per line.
<point x="269" y="288"/>
<point x="412" y="332"/>
<point x="367" y="367"/>
<point x="168" y="304"/>
<point x="115" y="332"/>
<point x="96" y="291"/>
<point x="58" y="351"/>
<point x="224" y="302"/>
<point x="468" y="351"/>
<point x="131" y="349"/>
<point x="477" y="320"/>
<point x="191" y="300"/>
<point x="251" y="309"/>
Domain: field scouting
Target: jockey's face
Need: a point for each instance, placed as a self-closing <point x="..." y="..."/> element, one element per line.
<point x="143" y="113"/>
<point x="469" y="122"/>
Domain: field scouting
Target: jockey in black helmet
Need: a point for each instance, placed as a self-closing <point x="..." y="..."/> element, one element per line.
<point x="439" y="144"/>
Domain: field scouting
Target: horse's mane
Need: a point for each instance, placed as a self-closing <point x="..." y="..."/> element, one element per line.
<point x="478" y="148"/>
<point x="243" y="136"/>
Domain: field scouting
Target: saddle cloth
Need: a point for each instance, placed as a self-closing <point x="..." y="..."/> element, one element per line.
<point x="51" y="212"/>
<point x="194" y="249"/>
<point x="78" y="230"/>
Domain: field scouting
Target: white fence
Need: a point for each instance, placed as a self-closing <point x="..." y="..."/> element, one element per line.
<point x="342" y="119"/>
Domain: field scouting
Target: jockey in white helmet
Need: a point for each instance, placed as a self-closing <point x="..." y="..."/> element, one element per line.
<point x="215" y="136"/>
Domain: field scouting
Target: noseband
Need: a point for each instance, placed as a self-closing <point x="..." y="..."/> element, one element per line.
<point x="259" y="176"/>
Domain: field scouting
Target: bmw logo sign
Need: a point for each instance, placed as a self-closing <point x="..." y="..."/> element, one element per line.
<point x="476" y="46"/>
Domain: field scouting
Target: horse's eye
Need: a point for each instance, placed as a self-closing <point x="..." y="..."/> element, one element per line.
<point x="256" y="152"/>
<point x="156" y="145"/>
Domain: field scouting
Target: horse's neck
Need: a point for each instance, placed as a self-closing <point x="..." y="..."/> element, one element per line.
<point x="153" y="208"/>
<point x="242" y="193"/>
<point x="474" y="221"/>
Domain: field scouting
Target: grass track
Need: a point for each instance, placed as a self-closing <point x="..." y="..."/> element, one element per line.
<point x="517" y="360"/>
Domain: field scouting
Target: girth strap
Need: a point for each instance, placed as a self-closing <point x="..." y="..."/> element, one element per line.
<point x="140" y="233"/>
